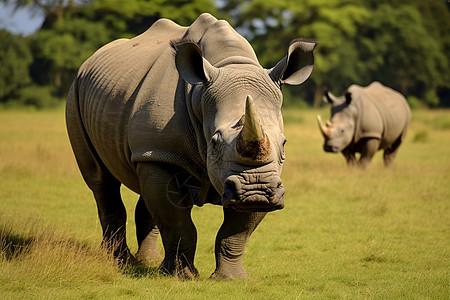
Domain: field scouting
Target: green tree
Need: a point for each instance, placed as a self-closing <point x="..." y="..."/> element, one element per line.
<point x="271" y="25"/>
<point x="404" y="44"/>
<point x="15" y="59"/>
<point x="73" y="30"/>
<point x="54" y="10"/>
<point x="138" y="15"/>
<point x="64" y="41"/>
<point x="437" y="21"/>
<point x="404" y="51"/>
<point x="60" y="51"/>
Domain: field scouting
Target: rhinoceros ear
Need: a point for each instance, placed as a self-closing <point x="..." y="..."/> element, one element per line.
<point x="348" y="97"/>
<point x="296" y="67"/>
<point x="191" y="65"/>
<point x="328" y="97"/>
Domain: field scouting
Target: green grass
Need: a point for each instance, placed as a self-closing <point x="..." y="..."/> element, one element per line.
<point x="345" y="233"/>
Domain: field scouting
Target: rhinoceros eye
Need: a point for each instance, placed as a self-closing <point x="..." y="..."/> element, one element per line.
<point x="215" y="140"/>
<point x="240" y="123"/>
<point x="216" y="144"/>
<point x="283" y="154"/>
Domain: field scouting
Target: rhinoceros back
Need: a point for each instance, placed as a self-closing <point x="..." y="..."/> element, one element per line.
<point x="384" y="113"/>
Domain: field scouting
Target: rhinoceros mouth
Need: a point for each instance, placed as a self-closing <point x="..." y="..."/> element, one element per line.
<point x="331" y="148"/>
<point x="251" y="197"/>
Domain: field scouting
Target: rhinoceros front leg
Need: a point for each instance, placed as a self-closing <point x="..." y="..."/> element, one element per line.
<point x="231" y="240"/>
<point x="147" y="236"/>
<point x="349" y="157"/>
<point x="164" y="200"/>
<point x="368" y="150"/>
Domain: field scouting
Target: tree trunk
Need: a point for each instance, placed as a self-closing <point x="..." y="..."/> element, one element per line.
<point x="318" y="95"/>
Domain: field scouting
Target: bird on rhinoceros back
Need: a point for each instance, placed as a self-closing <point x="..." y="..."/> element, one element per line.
<point x="183" y="116"/>
<point x="365" y="120"/>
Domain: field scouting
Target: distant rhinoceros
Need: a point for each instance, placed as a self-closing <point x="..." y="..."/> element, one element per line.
<point x="183" y="116"/>
<point x="364" y="121"/>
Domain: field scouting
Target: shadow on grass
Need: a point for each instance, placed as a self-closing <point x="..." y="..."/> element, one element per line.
<point x="139" y="271"/>
<point x="43" y="243"/>
<point x="12" y="245"/>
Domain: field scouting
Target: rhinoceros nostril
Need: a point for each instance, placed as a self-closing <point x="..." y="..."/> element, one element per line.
<point x="280" y="191"/>
<point x="230" y="190"/>
<point x="280" y="185"/>
<point x="328" y="148"/>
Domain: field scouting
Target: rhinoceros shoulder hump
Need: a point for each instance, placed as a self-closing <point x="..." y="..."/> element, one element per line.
<point x="160" y="27"/>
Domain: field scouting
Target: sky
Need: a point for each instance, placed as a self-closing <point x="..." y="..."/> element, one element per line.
<point x="22" y="21"/>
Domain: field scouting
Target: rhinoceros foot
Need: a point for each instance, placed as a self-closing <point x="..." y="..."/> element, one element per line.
<point x="148" y="259"/>
<point x="179" y="269"/>
<point x="229" y="273"/>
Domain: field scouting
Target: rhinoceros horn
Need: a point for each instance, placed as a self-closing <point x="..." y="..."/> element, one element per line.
<point x="324" y="129"/>
<point x="252" y="142"/>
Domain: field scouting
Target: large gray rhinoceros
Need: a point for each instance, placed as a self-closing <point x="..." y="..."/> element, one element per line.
<point x="183" y="116"/>
<point x="364" y="121"/>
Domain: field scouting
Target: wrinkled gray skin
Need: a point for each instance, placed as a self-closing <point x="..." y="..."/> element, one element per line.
<point x="365" y="120"/>
<point x="183" y="116"/>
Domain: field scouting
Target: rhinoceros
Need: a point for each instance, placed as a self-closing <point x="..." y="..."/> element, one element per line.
<point x="183" y="116"/>
<point x="365" y="120"/>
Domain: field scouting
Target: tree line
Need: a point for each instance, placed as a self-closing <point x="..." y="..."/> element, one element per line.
<point x="403" y="44"/>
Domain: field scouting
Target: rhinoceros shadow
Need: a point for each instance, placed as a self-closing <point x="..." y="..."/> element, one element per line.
<point x="16" y="246"/>
<point x="12" y="246"/>
<point x="137" y="271"/>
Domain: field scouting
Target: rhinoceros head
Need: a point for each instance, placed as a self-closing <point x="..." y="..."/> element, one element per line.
<point x="339" y="131"/>
<point x="239" y="106"/>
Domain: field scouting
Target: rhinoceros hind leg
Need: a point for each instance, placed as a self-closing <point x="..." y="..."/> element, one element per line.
<point x="390" y="153"/>
<point x="113" y="219"/>
<point x="147" y="236"/>
<point x="165" y="201"/>
<point x="105" y="187"/>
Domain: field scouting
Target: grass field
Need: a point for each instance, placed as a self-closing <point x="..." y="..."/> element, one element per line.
<point x="344" y="234"/>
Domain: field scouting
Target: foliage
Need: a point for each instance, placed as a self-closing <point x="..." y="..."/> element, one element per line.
<point x="140" y="14"/>
<point x="39" y="97"/>
<point x="273" y="24"/>
<point x="404" y="45"/>
<point x="15" y="58"/>
<point x="414" y="102"/>
<point x="74" y="30"/>
<point x="344" y="233"/>
<point x="401" y="45"/>
<point x="410" y="58"/>
<point x="60" y="51"/>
